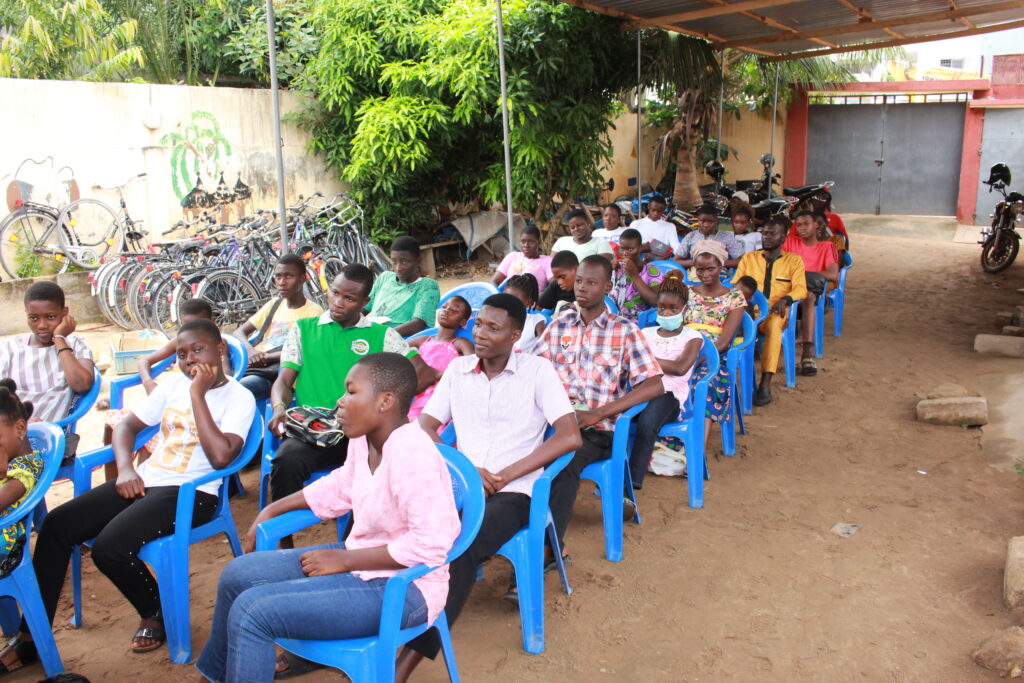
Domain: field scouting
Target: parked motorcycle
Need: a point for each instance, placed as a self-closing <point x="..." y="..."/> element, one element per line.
<point x="1000" y="240"/>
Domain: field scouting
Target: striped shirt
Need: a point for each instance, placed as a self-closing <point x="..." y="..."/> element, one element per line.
<point x="37" y="372"/>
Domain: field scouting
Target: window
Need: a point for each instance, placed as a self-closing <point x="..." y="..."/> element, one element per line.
<point x="948" y="63"/>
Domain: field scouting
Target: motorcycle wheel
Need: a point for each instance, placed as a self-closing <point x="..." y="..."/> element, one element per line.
<point x="999" y="252"/>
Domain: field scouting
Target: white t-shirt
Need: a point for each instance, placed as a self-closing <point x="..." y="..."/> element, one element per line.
<point x="751" y="241"/>
<point x="660" y="230"/>
<point x="611" y="236"/>
<point x="528" y="341"/>
<point x="596" y="245"/>
<point x="179" y="457"/>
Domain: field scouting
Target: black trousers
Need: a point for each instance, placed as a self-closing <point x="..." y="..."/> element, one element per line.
<point x="597" y="446"/>
<point x="121" y="526"/>
<point x="295" y="461"/>
<point x="504" y="515"/>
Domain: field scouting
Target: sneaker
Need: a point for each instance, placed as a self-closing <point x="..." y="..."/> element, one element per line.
<point x="762" y="397"/>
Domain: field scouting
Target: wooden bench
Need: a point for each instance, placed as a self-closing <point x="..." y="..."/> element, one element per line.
<point x="427" y="265"/>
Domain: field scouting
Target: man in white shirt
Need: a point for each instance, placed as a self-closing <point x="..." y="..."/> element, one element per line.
<point x="611" y="219"/>
<point x="654" y="226"/>
<point x="581" y="240"/>
<point x="501" y="403"/>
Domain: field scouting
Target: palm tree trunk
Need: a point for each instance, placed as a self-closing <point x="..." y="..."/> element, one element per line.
<point x="686" y="192"/>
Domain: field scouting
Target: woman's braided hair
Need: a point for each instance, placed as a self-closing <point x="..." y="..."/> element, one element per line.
<point x="12" y="407"/>
<point x="527" y="284"/>
<point x="672" y="283"/>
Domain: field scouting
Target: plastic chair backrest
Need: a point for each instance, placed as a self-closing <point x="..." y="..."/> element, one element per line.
<point x="48" y="439"/>
<point x="760" y="303"/>
<point x="611" y="305"/>
<point x="473" y="292"/>
<point x="81" y="403"/>
<point x="237" y="354"/>
<point x="709" y="355"/>
<point x="648" y="318"/>
<point x="468" y="489"/>
<point x="462" y="332"/>
<point x="665" y="266"/>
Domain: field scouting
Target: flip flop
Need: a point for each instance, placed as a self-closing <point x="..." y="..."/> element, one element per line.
<point x="808" y="367"/>
<point x="156" y="633"/>
<point x="26" y="651"/>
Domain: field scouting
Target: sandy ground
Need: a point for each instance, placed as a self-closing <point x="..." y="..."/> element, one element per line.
<point x="753" y="586"/>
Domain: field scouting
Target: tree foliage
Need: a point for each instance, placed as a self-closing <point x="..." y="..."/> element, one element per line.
<point x="73" y="40"/>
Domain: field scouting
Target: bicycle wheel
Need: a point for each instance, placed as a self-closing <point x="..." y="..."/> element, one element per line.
<point x="234" y="299"/>
<point x="379" y="261"/>
<point x="95" y="229"/>
<point x="29" y="245"/>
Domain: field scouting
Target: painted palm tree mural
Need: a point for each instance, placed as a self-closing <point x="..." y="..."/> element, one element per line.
<point x="198" y="151"/>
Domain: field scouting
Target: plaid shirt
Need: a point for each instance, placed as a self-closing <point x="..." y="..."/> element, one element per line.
<point x="598" y="363"/>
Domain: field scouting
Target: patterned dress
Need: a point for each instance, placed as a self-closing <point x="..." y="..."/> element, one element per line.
<point x="625" y="293"/>
<point x="27" y="469"/>
<point x="703" y="312"/>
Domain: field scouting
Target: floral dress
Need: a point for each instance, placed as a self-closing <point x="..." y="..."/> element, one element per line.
<point x="707" y="314"/>
<point x="625" y="293"/>
<point x="27" y="469"/>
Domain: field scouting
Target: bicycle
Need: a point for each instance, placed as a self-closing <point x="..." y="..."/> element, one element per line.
<point x="96" y="228"/>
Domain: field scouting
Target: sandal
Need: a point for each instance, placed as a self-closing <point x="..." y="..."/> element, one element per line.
<point x="26" y="652"/>
<point x="808" y="367"/>
<point x="155" y="633"/>
<point x="297" y="666"/>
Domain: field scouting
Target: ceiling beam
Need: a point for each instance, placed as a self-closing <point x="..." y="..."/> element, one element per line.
<point x="768" y="21"/>
<point x="963" y="20"/>
<point x="634" y="19"/>
<point x="865" y="14"/>
<point x="866" y="26"/>
<point x="896" y="43"/>
<point x="716" y="11"/>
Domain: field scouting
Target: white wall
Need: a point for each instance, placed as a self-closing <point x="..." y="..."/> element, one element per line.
<point x="109" y="132"/>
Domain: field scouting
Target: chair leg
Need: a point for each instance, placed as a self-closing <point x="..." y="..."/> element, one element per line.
<point x="556" y="549"/>
<point x="242" y="493"/>
<point x="789" y="357"/>
<point x="38" y="623"/>
<point x="76" y="585"/>
<point x="529" y="573"/>
<point x="819" y="328"/>
<point x="696" y="468"/>
<point x="837" y="315"/>
<point x="172" y="577"/>
<point x="727" y="427"/>
<point x="631" y="494"/>
<point x="611" y="508"/>
<point x="441" y="624"/>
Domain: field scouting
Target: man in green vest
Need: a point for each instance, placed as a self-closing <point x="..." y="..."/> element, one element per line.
<point x="315" y="360"/>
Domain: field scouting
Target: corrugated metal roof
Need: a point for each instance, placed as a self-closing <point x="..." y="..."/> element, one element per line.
<point x="778" y="27"/>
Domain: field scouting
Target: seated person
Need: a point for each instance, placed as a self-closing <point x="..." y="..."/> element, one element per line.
<point x="524" y="288"/>
<point x="563" y="277"/>
<point x="654" y="229"/>
<point x="581" y="241"/>
<point x="580" y="342"/>
<point x="527" y="260"/>
<point x="397" y="487"/>
<point x="315" y="361"/>
<point x="21" y="467"/>
<point x="444" y="346"/>
<point x="401" y="298"/>
<point x="717" y="312"/>
<point x="741" y="220"/>
<point x="611" y="225"/>
<point x="825" y="234"/>
<point x="780" y="277"/>
<point x="272" y="324"/>
<point x="676" y="348"/>
<point x="707" y="229"/>
<point x="204" y="417"/>
<point x="822" y="201"/>
<point x="821" y="266"/>
<point x="632" y="283"/>
<point x="189" y="310"/>
<point x="507" y="446"/>
<point x="50" y="363"/>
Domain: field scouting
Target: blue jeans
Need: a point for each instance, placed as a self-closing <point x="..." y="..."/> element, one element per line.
<point x="258" y="386"/>
<point x="263" y="596"/>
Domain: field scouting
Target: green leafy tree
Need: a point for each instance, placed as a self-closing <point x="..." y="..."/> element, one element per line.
<point x="74" y="40"/>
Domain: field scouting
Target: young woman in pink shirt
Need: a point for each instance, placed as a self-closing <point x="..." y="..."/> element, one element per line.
<point x="397" y="485"/>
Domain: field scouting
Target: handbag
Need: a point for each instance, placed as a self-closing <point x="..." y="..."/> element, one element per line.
<point x="314" y="426"/>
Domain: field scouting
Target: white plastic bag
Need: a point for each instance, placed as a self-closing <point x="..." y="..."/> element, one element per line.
<point x="666" y="462"/>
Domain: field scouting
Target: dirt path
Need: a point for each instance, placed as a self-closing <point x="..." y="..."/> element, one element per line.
<point x="753" y="586"/>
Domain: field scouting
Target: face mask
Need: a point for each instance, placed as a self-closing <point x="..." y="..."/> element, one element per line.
<point x="670" y="323"/>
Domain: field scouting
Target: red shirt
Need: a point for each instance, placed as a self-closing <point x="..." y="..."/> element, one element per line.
<point x="816" y="258"/>
<point x="835" y="224"/>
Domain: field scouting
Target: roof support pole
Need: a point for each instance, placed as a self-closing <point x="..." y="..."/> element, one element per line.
<point x="721" y="98"/>
<point x="504" y="124"/>
<point x="275" y="97"/>
<point x="771" y="146"/>
<point x="639" y="130"/>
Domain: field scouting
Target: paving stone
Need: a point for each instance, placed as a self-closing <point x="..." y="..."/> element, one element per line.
<point x="1000" y="345"/>
<point x="971" y="411"/>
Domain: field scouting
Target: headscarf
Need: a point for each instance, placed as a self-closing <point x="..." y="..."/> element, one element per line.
<point x="716" y="249"/>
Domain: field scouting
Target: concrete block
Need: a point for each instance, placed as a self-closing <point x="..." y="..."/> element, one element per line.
<point x="949" y="390"/>
<point x="971" y="411"/>
<point x="1013" y="331"/>
<point x="1004" y="318"/>
<point x="1002" y="653"/>
<point x="1018" y="316"/>
<point x="1000" y="345"/>
<point x="1013" y="574"/>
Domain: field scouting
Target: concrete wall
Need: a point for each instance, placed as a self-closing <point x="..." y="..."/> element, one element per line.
<point x="77" y="294"/>
<point x="750" y="136"/>
<point x="106" y="133"/>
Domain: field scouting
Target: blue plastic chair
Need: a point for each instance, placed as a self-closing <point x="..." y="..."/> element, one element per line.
<point x="690" y="426"/>
<point x="463" y="332"/>
<point x="788" y="343"/>
<point x="744" y="340"/>
<point x="525" y="550"/>
<point x="665" y="266"/>
<point x="748" y="382"/>
<point x="373" y="658"/>
<point x="611" y="305"/>
<point x="21" y="584"/>
<point x="169" y="556"/>
<point x="614" y="480"/>
<point x="837" y="300"/>
<point x="473" y="292"/>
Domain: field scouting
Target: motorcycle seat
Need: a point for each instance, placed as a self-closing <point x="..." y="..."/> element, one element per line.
<point x="769" y="203"/>
<point x="803" y="189"/>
